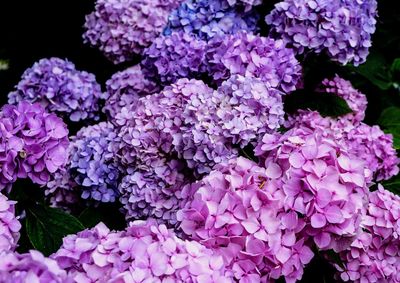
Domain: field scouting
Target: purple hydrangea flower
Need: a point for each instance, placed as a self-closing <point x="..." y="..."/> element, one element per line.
<point x="124" y="88"/>
<point x="356" y="100"/>
<point x="59" y="88"/>
<point x="145" y="251"/>
<point x="321" y="181"/>
<point x="234" y="212"/>
<point x="179" y="55"/>
<point x="123" y="28"/>
<point x="30" y="267"/>
<point x="206" y="19"/>
<point x="33" y="144"/>
<point x="248" y="109"/>
<point x="9" y="225"/>
<point x="375" y="255"/>
<point x="251" y="55"/>
<point x="340" y="28"/>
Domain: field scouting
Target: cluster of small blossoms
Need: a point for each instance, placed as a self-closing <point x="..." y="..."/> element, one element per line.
<point x="253" y="56"/>
<point x="179" y="55"/>
<point x="320" y="181"/>
<point x="9" y="225"/>
<point x="30" y="267"/>
<point x="123" y="28"/>
<point x="33" y="144"/>
<point x="144" y="252"/>
<point x="235" y="213"/>
<point x="340" y="28"/>
<point x="124" y="89"/>
<point x="59" y="88"/>
<point x="375" y="255"/>
<point x="206" y="19"/>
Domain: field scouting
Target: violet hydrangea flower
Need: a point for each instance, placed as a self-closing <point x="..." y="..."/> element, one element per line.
<point x="206" y="19"/>
<point x="59" y="88"/>
<point x="9" y="225"/>
<point x="320" y="180"/>
<point x="30" y="267"/>
<point x="124" y="88"/>
<point x="123" y="28"/>
<point x="33" y="144"/>
<point x="251" y="55"/>
<point x="179" y="55"/>
<point x="144" y="251"/>
<point x="375" y="255"/>
<point x="340" y="28"/>
<point x="234" y="212"/>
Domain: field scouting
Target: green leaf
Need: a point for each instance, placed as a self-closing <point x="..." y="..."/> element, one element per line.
<point x="390" y="121"/>
<point x="393" y="184"/>
<point x="395" y="68"/>
<point x="326" y="104"/>
<point x="375" y="70"/>
<point x="47" y="226"/>
<point x="109" y="214"/>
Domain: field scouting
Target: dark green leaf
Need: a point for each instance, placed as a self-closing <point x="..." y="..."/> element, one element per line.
<point x="46" y="227"/>
<point x="109" y="214"/>
<point x="393" y="184"/>
<point x="390" y="121"/>
<point x="375" y="70"/>
<point x="395" y="68"/>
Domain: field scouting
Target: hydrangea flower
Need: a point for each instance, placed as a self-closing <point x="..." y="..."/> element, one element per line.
<point x="59" y="88"/>
<point x="178" y="55"/>
<point x="123" y="28"/>
<point x="144" y="251"/>
<point x="124" y="88"/>
<point x="92" y="162"/>
<point x="9" y="225"/>
<point x="206" y="19"/>
<point x="321" y="181"/>
<point x="375" y="255"/>
<point x="248" y="109"/>
<point x="33" y="144"/>
<point x="30" y="267"/>
<point x="340" y="28"/>
<point x="251" y="55"/>
<point x="235" y="213"/>
<point x="356" y="100"/>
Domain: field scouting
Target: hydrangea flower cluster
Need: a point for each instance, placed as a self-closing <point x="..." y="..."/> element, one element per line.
<point x="145" y="251"/>
<point x="206" y="19"/>
<point x="254" y="56"/>
<point x="59" y="88"/>
<point x="179" y="55"/>
<point x="9" y="225"/>
<point x="124" y="89"/>
<point x="92" y="163"/>
<point x="340" y="28"/>
<point x="33" y="144"/>
<point x="235" y="213"/>
<point x="30" y="267"/>
<point x="123" y="28"/>
<point x="375" y="256"/>
<point x="320" y="181"/>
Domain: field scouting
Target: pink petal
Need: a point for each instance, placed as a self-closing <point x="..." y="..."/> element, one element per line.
<point x="318" y="220"/>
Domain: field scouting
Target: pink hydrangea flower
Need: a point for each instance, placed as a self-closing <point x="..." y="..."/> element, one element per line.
<point x="235" y="212"/>
<point x="9" y="225"/>
<point x="144" y="251"/>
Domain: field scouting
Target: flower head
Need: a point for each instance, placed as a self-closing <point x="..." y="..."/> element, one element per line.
<point x="59" y="88"/>
<point x="9" y="225"/>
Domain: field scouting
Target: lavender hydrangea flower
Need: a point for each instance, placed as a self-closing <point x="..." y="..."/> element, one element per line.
<point x="251" y="55"/>
<point x="59" y="88"/>
<point x="123" y="28"/>
<point x="375" y="255"/>
<point x="248" y="109"/>
<point x="178" y="55"/>
<point x="206" y="19"/>
<point x="144" y="251"/>
<point x="234" y="212"/>
<point x="340" y="28"/>
<point x="30" y="267"/>
<point x="320" y="181"/>
<point x="124" y="88"/>
<point x="9" y="225"/>
<point x="33" y="144"/>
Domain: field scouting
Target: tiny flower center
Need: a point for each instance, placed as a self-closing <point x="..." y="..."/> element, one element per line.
<point x="22" y="154"/>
